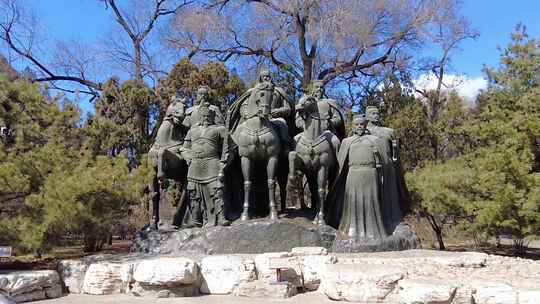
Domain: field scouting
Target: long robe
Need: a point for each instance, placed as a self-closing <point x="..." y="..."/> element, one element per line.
<point x="357" y="193"/>
<point x="396" y="197"/>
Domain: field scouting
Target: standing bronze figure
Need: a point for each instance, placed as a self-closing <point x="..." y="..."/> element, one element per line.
<point x="205" y="149"/>
<point x="395" y="200"/>
<point x="361" y="168"/>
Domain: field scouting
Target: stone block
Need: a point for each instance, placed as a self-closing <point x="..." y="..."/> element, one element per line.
<point x="167" y="271"/>
<point x="487" y="292"/>
<point x="290" y="273"/>
<point x="164" y="291"/>
<point x="529" y="296"/>
<point x="303" y="251"/>
<point x="104" y="278"/>
<point x="221" y="274"/>
<point x="166" y="277"/>
<point x="262" y="289"/>
<point x="311" y="267"/>
<point x="462" y="259"/>
<point x="25" y="286"/>
<point x="360" y="283"/>
<point x="72" y="274"/>
<point x="426" y="291"/>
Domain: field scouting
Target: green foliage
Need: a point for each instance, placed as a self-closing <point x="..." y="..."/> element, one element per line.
<point x="87" y="200"/>
<point x="50" y="185"/>
<point x="123" y="118"/>
<point x="493" y="179"/>
<point x="185" y="78"/>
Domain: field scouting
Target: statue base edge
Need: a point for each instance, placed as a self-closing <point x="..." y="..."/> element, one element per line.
<point x="403" y="238"/>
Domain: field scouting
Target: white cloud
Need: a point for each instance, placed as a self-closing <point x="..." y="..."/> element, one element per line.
<point x="466" y="87"/>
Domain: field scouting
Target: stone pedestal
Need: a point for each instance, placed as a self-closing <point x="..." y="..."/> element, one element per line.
<point x="253" y="236"/>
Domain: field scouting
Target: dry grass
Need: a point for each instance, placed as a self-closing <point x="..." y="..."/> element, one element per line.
<point x="50" y="259"/>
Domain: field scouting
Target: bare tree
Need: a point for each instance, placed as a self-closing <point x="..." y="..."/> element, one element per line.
<point x="309" y="39"/>
<point x="137" y="21"/>
<point x="19" y="32"/>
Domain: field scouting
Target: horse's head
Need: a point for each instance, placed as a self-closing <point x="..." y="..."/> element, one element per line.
<point x="260" y="100"/>
<point x="306" y="104"/>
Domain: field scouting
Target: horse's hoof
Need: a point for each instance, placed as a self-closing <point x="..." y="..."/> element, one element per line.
<point x="273" y="216"/>
<point x="244" y="217"/>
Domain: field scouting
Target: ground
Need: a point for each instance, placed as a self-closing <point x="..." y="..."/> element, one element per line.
<point x="311" y="298"/>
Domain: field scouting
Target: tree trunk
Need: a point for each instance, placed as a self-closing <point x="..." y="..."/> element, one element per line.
<point x="437" y="229"/>
<point x="308" y="73"/>
<point x="138" y="60"/>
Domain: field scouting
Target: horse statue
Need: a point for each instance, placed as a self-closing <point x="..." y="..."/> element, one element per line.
<point x="165" y="158"/>
<point x="315" y="153"/>
<point x="259" y="142"/>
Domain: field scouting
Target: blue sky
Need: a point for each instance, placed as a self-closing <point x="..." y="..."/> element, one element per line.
<point x="494" y="19"/>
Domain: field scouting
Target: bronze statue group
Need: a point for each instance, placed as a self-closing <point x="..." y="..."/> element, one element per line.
<point x="231" y="162"/>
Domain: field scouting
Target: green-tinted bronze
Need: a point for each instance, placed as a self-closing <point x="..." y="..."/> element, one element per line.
<point x="205" y="149"/>
<point x="394" y="191"/>
<point x="316" y="147"/>
<point x="203" y="99"/>
<point x="258" y="140"/>
<point x="281" y="108"/>
<point x="167" y="161"/>
<point x="361" y="165"/>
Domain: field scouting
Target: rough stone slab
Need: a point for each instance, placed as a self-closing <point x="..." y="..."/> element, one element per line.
<point x="6" y="300"/>
<point x="164" y="291"/>
<point x="104" y="278"/>
<point x="426" y="291"/>
<point x="167" y="271"/>
<point x="290" y="274"/>
<point x="223" y="273"/>
<point x="529" y="296"/>
<point x="311" y="267"/>
<point x="360" y="283"/>
<point x="262" y="289"/>
<point x="487" y="292"/>
<point x="302" y="251"/>
<point x="253" y="236"/>
<point x="465" y="259"/>
<point x="72" y="274"/>
<point x="25" y="286"/>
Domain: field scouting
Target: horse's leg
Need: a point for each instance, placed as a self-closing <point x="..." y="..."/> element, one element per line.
<point x="292" y="165"/>
<point x="271" y="171"/>
<point x="282" y="180"/>
<point x="291" y="179"/>
<point x="322" y="178"/>
<point x="155" y="197"/>
<point x="161" y="166"/>
<point x="246" y="171"/>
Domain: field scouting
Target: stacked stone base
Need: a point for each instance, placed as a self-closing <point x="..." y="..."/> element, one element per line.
<point x="413" y="276"/>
